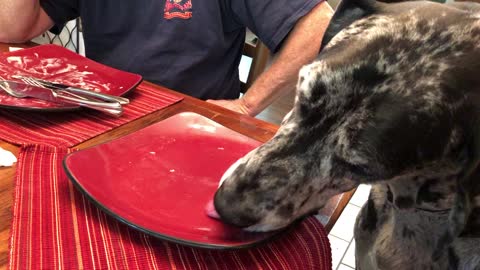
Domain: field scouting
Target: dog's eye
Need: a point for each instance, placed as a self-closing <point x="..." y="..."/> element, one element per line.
<point x="348" y="169"/>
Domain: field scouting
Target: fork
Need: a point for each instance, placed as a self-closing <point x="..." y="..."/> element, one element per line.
<point x="73" y="91"/>
<point x="112" y="107"/>
<point x="29" y="81"/>
<point x="70" y="89"/>
<point x="34" y="82"/>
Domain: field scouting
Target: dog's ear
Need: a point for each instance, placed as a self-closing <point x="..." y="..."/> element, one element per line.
<point x="346" y="13"/>
<point x="400" y="137"/>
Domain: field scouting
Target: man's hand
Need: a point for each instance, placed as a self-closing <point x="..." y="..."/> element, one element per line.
<point x="237" y="105"/>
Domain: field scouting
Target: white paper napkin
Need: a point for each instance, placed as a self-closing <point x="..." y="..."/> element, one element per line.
<point x="7" y="159"/>
<point x="12" y="49"/>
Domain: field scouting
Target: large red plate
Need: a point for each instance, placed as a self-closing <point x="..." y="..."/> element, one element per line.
<point x="58" y="64"/>
<point x="159" y="179"/>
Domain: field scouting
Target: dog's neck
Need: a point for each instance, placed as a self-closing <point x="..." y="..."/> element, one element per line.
<point x="431" y="194"/>
<point x="422" y="193"/>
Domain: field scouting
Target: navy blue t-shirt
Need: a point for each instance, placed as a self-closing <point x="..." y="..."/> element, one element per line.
<point x="191" y="46"/>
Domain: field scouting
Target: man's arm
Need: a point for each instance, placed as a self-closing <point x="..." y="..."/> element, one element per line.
<point x="22" y="20"/>
<point x="301" y="47"/>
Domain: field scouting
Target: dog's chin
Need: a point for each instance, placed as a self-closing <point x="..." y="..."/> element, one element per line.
<point x="264" y="228"/>
<point x="273" y="223"/>
<point x="267" y="225"/>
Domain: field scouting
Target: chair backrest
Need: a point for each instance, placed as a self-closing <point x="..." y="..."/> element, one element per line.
<point x="260" y="56"/>
<point x="69" y="37"/>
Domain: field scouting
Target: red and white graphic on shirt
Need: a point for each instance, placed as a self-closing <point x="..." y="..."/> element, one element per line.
<point x="178" y="9"/>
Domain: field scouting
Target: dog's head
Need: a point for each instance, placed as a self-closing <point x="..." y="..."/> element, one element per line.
<point x="394" y="92"/>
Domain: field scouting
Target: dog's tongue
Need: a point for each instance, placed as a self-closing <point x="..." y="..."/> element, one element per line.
<point x="210" y="210"/>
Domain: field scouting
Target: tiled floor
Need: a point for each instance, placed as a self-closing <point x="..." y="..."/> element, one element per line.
<point x="341" y="235"/>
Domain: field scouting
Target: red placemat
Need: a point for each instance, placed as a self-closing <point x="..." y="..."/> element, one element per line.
<point x="55" y="227"/>
<point x="69" y="128"/>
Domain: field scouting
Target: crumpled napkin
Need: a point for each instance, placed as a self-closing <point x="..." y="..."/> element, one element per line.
<point x="7" y="159"/>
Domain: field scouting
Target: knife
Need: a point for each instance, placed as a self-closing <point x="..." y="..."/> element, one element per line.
<point x="60" y="96"/>
<point x="75" y="90"/>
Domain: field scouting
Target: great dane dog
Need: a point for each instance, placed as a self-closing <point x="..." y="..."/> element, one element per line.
<point x="393" y="100"/>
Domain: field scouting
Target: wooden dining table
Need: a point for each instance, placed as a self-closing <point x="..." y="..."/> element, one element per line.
<point x="249" y="126"/>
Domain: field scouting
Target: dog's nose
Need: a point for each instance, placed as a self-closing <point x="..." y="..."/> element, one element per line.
<point x="233" y="213"/>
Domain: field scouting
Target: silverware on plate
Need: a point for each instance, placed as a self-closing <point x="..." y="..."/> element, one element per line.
<point x="19" y="90"/>
<point x="8" y="91"/>
<point x="71" y="89"/>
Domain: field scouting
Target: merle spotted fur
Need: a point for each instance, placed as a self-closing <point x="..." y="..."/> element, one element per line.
<point x="393" y="100"/>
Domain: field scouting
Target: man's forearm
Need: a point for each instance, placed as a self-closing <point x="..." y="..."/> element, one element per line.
<point x="300" y="48"/>
<point x="18" y="20"/>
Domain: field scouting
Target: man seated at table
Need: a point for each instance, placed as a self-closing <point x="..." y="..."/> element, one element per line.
<point x="189" y="46"/>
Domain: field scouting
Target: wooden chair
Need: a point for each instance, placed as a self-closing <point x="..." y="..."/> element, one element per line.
<point x="260" y="55"/>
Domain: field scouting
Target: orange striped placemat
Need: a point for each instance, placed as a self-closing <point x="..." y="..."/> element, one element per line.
<point x="56" y="227"/>
<point x="69" y="128"/>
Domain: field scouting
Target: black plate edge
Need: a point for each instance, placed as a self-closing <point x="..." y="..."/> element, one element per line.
<point x="79" y="187"/>
<point x="175" y="240"/>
